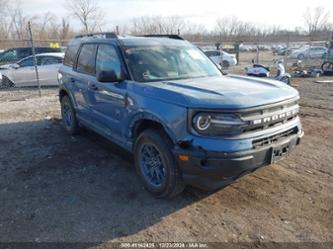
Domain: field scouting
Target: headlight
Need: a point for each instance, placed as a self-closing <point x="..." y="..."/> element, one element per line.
<point x="217" y="124"/>
<point x="59" y="78"/>
<point x="202" y="121"/>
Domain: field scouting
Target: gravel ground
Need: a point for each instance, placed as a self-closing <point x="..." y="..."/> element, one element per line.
<point x="54" y="187"/>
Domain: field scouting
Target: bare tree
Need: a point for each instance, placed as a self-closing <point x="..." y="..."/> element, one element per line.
<point x="19" y="21"/>
<point x="87" y="12"/>
<point x="4" y="21"/>
<point x="64" y="30"/>
<point x="231" y="28"/>
<point x="316" y="19"/>
<point x="158" y="25"/>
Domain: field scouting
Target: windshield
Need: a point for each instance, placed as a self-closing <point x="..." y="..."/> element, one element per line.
<point x="9" y="55"/>
<point x="161" y="62"/>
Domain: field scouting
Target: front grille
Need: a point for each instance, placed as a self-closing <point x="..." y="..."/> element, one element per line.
<point x="274" y="139"/>
<point x="269" y="117"/>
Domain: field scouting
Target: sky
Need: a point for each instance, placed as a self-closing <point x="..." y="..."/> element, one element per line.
<point x="284" y="13"/>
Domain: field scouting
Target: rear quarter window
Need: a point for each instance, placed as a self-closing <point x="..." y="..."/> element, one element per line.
<point x="87" y="58"/>
<point x="71" y="52"/>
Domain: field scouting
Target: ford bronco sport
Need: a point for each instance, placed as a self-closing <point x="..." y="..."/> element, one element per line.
<point x="165" y="101"/>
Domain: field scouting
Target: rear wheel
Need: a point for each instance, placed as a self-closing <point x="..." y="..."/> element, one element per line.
<point x="327" y="66"/>
<point x="156" y="165"/>
<point x="300" y="56"/>
<point x="68" y="116"/>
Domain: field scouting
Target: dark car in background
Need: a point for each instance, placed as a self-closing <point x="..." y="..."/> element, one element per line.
<point x="15" y="54"/>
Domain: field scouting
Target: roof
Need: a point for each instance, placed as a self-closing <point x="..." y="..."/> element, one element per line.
<point x="57" y="54"/>
<point x="145" y="40"/>
<point x="151" y="41"/>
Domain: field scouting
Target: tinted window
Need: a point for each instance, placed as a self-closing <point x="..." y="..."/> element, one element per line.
<point x="86" y="59"/>
<point x="29" y="62"/>
<point x="107" y="59"/>
<point x="71" y="52"/>
<point x="49" y="60"/>
<point x="24" y="52"/>
<point x="9" y="55"/>
<point x="213" y="53"/>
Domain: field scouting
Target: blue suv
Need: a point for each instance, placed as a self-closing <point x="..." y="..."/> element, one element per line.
<point x="164" y="100"/>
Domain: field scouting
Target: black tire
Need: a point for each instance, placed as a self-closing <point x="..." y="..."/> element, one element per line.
<point x="225" y="64"/>
<point x="171" y="183"/>
<point x="68" y="114"/>
<point x="300" y="56"/>
<point x="6" y="83"/>
<point x="327" y="66"/>
<point x="285" y="80"/>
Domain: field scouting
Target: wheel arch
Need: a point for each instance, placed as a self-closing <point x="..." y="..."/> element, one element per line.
<point x="145" y="121"/>
<point x="64" y="92"/>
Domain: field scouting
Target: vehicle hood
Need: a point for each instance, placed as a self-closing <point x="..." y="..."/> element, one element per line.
<point x="225" y="92"/>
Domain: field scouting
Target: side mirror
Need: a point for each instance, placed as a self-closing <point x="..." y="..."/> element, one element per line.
<point x="15" y="66"/>
<point x="108" y="76"/>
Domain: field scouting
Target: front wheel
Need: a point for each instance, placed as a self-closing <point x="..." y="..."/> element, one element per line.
<point x="285" y="80"/>
<point x="6" y="83"/>
<point x="225" y="64"/>
<point x="156" y="165"/>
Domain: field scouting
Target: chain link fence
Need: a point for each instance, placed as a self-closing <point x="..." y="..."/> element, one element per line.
<point x="297" y="56"/>
<point x="20" y="68"/>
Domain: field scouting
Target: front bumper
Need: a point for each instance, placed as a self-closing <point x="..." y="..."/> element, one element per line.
<point x="213" y="170"/>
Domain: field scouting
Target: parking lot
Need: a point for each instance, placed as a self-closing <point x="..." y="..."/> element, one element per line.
<point x="54" y="187"/>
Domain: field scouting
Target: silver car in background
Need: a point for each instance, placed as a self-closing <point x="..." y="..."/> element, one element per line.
<point x="22" y="73"/>
<point x="314" y="52"/>
<point x="222" y="58"/>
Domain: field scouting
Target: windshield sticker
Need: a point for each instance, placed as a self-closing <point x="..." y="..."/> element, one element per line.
<point x="195" y="54"/>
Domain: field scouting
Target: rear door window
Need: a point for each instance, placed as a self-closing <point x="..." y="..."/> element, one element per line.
<point x="86" y="59"/>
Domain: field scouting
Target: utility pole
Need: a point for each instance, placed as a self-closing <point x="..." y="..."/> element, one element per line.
<point x="35" y="59"/>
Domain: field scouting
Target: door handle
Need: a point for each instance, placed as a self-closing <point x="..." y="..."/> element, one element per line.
<point x="93" y="87"/>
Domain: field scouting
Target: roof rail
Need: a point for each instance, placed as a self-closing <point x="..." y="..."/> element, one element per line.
<point x="177" y="37"/>
<point x="99" y="35"/>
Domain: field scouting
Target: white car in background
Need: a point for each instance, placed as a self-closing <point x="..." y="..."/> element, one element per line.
<point x="22" y="73"/>
<point x="314" y="52"/>
<point x="222" y="58"/>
